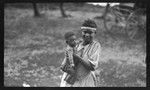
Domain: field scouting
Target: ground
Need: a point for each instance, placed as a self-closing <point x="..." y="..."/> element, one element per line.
<point x="34" y="50"/>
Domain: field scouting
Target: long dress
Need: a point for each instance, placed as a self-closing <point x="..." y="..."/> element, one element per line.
<point x="86" y="78"/>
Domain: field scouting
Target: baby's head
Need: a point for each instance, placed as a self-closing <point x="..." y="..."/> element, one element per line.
<point x="70" y="38"/>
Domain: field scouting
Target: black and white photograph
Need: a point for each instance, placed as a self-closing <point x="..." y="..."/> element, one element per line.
<point x="75" y="44"/>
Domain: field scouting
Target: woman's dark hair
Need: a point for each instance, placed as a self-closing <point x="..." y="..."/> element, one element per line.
<point x="68" y="35"/>
<point x="89" y="23"/>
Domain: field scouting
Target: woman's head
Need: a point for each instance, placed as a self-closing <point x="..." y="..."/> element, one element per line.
<point x="88" y="30"/>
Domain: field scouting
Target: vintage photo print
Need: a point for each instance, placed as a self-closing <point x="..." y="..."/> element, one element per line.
<point x="72" y="44"/>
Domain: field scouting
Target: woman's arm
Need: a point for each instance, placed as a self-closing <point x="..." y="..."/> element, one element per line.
<point x="93" y="57"/>
<point x="86" y="63"/>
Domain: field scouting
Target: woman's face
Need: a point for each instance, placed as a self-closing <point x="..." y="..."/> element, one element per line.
<point x="87" y="36"/>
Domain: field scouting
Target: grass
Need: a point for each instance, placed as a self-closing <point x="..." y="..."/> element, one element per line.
<point x="121" y="74"/>
<point x="34" y="50"/>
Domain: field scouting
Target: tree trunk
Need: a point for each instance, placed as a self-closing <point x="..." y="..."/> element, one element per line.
<point x="105" y="15"/>
<point x="62" y="10"/>
<point x="36" y="12"/>
<point x="106" y="10"/>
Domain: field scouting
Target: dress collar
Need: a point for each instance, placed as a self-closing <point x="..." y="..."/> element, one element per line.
<point x="81" y="46"/>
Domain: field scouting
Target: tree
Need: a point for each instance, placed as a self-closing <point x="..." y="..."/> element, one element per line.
<point x="105" y="19"/>
<point x="140" y="5"/>
<point x="62" y="10"/>
<point x="104" y="15"/>
<point x="36" y="12"/>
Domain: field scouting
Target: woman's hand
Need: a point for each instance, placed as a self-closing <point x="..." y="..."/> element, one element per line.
<point x="77" y="57"/>
<point x="86" y="63"/>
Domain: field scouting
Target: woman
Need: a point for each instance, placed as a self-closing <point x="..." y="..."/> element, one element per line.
<point x="88" y="55"/>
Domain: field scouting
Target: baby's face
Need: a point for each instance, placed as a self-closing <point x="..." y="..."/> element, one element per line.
<point x="72" y="41"/>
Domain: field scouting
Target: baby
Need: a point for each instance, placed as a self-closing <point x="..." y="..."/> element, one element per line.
<point x="71" y="44"/>
<point x="68" y="65"/>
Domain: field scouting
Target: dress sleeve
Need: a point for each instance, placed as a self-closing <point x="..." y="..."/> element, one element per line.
<point x="94" y="54"/>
